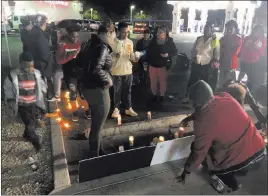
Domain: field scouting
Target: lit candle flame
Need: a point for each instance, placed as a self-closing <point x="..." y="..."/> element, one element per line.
<point x="67" y="94"/>
<point x="181" y="129"/>
<point x="58" y="119"/>
<point x="161" y="139"/>
<point x="176" y="135"/>
<point x="77" y="105"/>
<point x="66" y="125"/>
<point x="69" y="106"/>
<point x="131" y="140"/>
<point x="58" y="110"/>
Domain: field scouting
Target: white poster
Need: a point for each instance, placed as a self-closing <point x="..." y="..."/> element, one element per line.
<point x="172" y="150"/>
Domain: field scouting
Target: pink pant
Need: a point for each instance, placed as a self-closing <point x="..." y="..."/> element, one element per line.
<point x="158" y="75"/>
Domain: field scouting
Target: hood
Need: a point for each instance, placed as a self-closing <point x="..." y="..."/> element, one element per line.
<point x="200" y="93"/>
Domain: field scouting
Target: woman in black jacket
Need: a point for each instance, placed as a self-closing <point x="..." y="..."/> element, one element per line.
<point x="159" y="53"/>
<point x="97" y="81"/>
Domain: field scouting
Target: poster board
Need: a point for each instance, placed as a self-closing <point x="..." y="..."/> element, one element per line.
<point x="172" y="150"/>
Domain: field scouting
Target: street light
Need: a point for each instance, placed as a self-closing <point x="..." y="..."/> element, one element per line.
<point x="131" y="8"/>
<point x="141" y="12"/>
<point x="91" y="10"/>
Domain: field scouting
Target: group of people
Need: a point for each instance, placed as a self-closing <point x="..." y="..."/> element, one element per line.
<point x="226" y="140"/>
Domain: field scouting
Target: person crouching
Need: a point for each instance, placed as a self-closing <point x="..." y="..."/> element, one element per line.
<point x="24" y="92"/>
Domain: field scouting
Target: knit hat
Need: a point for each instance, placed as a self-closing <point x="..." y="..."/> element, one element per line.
<point x="26" y="57"/>
<point x="200" y="93"/>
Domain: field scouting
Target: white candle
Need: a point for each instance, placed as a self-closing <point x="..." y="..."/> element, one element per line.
<point x="121" y="148"/>
<point x="119" y="121"/>
<point x="67" y="94"/>
<point x="131" y="140"/>
<point x="161" y="139"/>
<point x="149" y="115"/>
<point x="176" y="135"/>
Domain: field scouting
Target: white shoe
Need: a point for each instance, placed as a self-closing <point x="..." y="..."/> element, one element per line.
<point x="116" y="113"/>
<point x="131" y="112"/>
<point x="57" y="99"/>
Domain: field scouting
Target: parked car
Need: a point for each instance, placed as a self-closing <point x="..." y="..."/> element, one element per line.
<point x="94" y="25"/>
<point x="85" y="25"/>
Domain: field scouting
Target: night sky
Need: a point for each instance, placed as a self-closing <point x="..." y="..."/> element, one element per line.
<point x="120" y="6"/>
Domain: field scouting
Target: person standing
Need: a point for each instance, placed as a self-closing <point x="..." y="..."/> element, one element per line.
<point x="141" y="47"/>
<point x="68" y="49"/>
<point x="230" y="45"/>
<point x="96" y="82"/>
<point x="206" y="56"/>
<point x="159" y="58"/>
<point x="253" y="49"/>
<point x="225" y="143"/>
<point x="122" y="71"/>
<point x="40" y="49"/>
<point x="24" y="89"/>
<point x="24" y="33"/>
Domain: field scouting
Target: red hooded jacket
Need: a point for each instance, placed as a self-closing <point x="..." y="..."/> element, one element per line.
<point x="225" y="136"/>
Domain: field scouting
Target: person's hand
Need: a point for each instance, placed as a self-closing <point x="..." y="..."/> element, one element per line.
<point x="164" y="55"/>
<point x="182" y="177"/>
<point x="110" y="84"/>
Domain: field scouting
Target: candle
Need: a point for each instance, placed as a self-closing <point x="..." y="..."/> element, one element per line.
<point x="77" y="105"/>
<point x="155" y="140"/>
<point x="121" y="148"/>
<point x="67" y="94"/>
<point x="161" y="139"/>
<point x="181" y="132"/>
<point x="58" y="119"/>
<point x="119" y="120"/>
<point x="149" y="115"/>
<point x="176" y="135"/>
<point x="66" y="125"/>
<point x="69" y="106"/>
<point x="131" y="140"/>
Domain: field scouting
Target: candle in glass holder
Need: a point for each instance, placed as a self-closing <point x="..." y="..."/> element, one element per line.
<point x="121" y="149"/>
<point x="131" y="140"/>
<point x="181" y="132"/>
<point x="149" y="115"/>
<point x="161" y="139"/>
<point x="77" y="105"/>
<point x="119" y="120"/>
<point x="176" y="135"/>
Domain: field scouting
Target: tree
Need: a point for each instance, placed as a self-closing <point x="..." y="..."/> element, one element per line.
<point x="95" y="14"/>
<point x="140" y="16"/>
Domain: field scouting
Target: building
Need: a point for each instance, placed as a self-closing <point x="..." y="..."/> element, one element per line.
<point x="245" y="13"/>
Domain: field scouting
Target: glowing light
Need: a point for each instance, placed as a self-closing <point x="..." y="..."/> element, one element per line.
<point x="77" y="105"/>
<point x="58" y="119"/>
<point x="119" y="120"/>
<point x="131" y="140"/>
<point x="149" y="115"/>
<point x="66" y="125"/>
<point x="67" y="94"/>
<point x="69" y="106"/>
<point x="181" y="129"/>
<point x="161" y="139"/>
<point x="176" y="135"/>
<point x="83" y="106"/>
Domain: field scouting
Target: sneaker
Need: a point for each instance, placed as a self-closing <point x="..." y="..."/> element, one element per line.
<point x="50" y="99"/>
<point x="75" y="117"/>
<point x="218" y="184"/>
<point x="131" y="112"/>
<point x="116" y="113"/>
<point x="87" y="114"/>
<point x="57" y="99"/>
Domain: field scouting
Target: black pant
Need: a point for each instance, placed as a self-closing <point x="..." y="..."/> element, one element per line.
<point x="122" y="87"/>
<point x="28" y="117"/>
<point x="50" y="88"/>
<point x="99" y="100"/>
<point x="206" y="73"/>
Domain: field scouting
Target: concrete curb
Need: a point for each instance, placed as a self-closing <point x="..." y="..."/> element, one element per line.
<point x="143" y="125"/>
<point x="60" y="166"/>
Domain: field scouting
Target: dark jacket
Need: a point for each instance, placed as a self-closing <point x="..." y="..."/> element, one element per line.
<point x="39" y="48"/>
<point x="24" y="34"/>
<point x="97" y="71"/>
<point x="153" y="57"/>
<point x="142" y="44"/>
